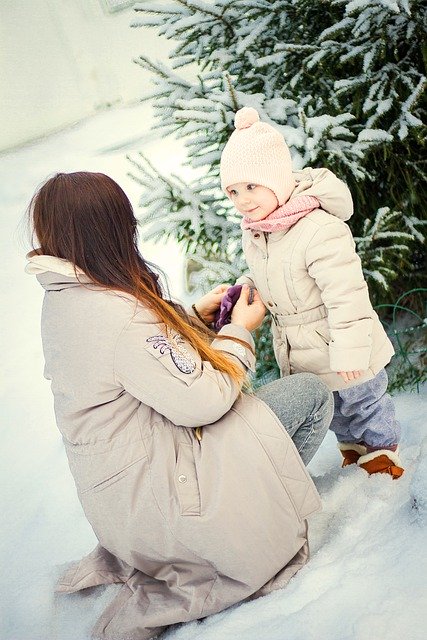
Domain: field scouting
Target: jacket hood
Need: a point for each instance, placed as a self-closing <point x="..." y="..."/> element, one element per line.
<point x="55" y="273"/>
<point x="333" y="195"/>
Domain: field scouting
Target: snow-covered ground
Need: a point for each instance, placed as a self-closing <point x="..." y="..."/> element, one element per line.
<point x="366" y="578"/>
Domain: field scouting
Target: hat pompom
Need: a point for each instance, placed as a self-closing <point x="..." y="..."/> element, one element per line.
<point x="245" y="117"/>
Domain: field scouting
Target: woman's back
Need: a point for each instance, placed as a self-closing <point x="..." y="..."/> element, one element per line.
<point x="81" y="324"/>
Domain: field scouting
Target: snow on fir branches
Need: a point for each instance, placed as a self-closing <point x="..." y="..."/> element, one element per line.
<point x="381" y="240"/>
<point x="344" y="82"/>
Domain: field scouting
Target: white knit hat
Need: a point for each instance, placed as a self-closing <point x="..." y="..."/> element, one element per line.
<point x="258" y="153"/>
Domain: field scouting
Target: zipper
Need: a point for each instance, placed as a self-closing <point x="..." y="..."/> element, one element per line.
<point x="273" y="315"/>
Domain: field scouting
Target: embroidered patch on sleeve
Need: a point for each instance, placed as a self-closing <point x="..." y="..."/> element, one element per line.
<point x="181" y="358"/>
<point x="240" y="350"/>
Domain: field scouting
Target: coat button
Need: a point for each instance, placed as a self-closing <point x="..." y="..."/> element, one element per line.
<point x="256" y="235"/>
<point x="182" y="478"/>
<point x="270" y="304"/>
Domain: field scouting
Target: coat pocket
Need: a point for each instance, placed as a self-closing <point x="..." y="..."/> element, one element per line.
<point x="186" y="481"/>
<point x="324" y="334"/>
<point x="112" y="479"/>
<point x="317" y="336"/>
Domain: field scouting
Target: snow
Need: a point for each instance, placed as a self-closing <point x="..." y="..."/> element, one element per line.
<point x="366" y="575"/>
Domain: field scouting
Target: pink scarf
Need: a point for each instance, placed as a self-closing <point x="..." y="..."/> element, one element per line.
<point x="285" y="216"/>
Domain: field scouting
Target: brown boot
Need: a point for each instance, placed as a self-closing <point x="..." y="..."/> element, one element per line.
<point x="351" y="452"/>
<point x="382" y="461"/>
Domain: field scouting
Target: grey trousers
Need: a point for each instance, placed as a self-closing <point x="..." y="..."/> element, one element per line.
<point x="365" y="413"/>
<point x="304" y="405"/>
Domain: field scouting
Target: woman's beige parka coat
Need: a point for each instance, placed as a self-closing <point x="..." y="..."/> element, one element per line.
<point x="188" y="527"/>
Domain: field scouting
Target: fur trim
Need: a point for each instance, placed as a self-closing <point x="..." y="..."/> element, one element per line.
<point x="391" y="455"/>
<point x="352" y="446"/>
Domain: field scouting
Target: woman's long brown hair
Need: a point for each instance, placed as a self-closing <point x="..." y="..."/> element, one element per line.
<point x="87" y="218"/>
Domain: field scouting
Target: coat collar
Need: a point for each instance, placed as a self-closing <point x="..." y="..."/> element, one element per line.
<point x="38" y="263"/>
<point x="54" y="273"/>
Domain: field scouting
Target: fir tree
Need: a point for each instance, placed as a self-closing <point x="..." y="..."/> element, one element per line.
<point x="342" y="80"/>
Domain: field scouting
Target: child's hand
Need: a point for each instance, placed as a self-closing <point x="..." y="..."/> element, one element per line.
<point x="209" y="303"/>
<point x="247" y="313"/>
<point x="349" y="375"/>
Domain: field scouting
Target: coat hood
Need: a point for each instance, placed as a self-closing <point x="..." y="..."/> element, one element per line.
<point x="332" y="193"/>
<point x="54" y="273"/>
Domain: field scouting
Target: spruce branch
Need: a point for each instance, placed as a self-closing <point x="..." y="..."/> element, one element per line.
<point x="199" y="6"/>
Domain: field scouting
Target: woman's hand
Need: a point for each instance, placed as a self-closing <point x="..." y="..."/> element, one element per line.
<point x="209" y="303"/>
<point x="248" y="315"/>
<point x="349" y="375"/>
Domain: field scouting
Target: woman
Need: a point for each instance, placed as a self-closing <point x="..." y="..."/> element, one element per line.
<point x="195" y="491"/>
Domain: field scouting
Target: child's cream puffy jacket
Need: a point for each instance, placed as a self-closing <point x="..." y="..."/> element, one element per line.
<point x="310" y="279"/>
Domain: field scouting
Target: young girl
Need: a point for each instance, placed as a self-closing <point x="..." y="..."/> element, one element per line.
<point x="301" y="257"/>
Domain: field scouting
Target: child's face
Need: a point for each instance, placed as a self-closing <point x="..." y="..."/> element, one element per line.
<point x="252" y="200"/>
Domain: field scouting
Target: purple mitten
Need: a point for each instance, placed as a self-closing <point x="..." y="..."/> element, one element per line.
<point x="223" y="315"/>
